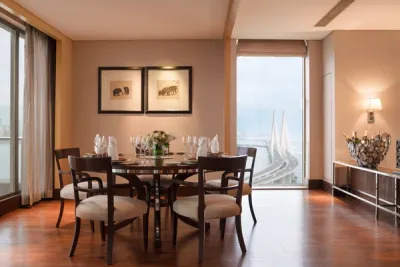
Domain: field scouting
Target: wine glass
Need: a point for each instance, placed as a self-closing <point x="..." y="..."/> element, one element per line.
<point x="138" y="143"/>
<point x="132" y="141"/>
<point x="145" y="146"/>
<point x="189" y="142"/>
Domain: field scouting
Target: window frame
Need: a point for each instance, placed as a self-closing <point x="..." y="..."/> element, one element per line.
<point x="304" y="163"/>
<point x="16" y="34"/>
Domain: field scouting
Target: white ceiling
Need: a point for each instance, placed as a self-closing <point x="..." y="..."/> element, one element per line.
<point x="132" y="19"/>
<point x="205" y="19"/>
<point x="295" y="19"/>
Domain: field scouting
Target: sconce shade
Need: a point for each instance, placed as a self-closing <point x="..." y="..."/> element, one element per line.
<point x="373" y="104"/>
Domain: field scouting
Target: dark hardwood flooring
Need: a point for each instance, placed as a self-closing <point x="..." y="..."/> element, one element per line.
<point x="295" y="228"/>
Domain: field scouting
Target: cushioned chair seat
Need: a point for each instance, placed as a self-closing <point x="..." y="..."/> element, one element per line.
<point x="67" y="192"/>
<point x="165" y="180"/>
<point x="95" y="208"/>
<point x="217" y="183"/>
<point x="217" y="206"/>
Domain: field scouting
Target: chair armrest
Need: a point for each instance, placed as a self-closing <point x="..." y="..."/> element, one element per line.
<point x="88" y="178"/>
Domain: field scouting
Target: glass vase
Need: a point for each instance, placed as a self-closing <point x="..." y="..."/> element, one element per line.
<point x="158" y="150"/>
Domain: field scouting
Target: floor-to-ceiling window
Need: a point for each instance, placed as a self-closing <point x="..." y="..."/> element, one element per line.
<point x="270" y="108"/>
<point x="11" y="106"/>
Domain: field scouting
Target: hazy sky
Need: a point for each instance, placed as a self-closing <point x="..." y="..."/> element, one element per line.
<point x="5" y="59"/>
<point x="265" y="84"/>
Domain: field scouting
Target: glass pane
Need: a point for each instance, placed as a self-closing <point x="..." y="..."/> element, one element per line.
<point x="5" y="75"/>
<point x="21" y="84"/>
<point x="270" y="117"/>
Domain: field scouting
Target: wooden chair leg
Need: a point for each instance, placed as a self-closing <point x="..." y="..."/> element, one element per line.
<point x="222" y="223"/>
<point x="110" y="242"/>
<point x="175" y="228"/>
<point x="76" y="236"/>
<point x="146" y="230"/>
<point x="103" y="231"/>
<point x="238" y="221"/>
<point x="61" y="212"/>
<point x="201" y="239"/>
<point x="252" y="210"/>
<point x="170" y="201"/>
<point x="92" y="226"/>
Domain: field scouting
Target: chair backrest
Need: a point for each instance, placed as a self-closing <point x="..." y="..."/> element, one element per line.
<point x="249" y="152"/>
<point x="101" y="165"/>
<point x="233" y="168"/>
<point x="61" y="154"/>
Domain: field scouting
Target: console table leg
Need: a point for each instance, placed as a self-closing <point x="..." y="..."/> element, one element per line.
<point x="396" y="209"/>
<point x="377" y="196"/>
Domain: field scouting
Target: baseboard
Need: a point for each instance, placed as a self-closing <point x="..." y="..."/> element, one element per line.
<point x="10" y="204"/>
<point x="314" y="184"/>
<point x="326" y="186"/>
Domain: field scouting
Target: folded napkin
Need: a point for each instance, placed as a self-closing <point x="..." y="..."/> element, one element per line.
<point x="97" y="144"/>
<point x="214" y="145"/>
<point x="112" y="148"/>
<point x="202" y="150"/>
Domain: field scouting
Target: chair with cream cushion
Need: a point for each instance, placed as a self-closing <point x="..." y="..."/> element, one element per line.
<point x="116" y="211"/>
<point x="67" y="191"/>
<point x="214" y="178"/>
<point x="205" y="207"/>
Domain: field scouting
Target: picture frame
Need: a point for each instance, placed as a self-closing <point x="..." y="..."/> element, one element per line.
<point x="169" y="90"/>
<point x="121" y="90"/>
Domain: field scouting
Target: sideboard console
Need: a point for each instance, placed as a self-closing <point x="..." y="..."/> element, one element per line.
<point x="384" y="199"/>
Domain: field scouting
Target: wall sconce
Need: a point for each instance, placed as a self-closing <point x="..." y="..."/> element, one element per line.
<point x="372" y="104"/>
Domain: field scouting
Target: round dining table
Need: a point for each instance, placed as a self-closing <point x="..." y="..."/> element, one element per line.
<point x="171" y="165"/>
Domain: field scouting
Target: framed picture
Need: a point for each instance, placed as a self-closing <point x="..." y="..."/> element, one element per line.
<point x="169" y="90"/>
<point x="121" y="90"/>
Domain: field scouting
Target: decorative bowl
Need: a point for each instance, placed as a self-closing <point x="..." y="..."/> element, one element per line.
<point x="369" y="152"/>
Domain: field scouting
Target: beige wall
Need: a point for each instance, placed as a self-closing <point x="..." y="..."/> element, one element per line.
<point x="314" y="110"/>
<point x="207" y="59"/>
<point x="367" y="64"/>
<point x="362" y="64"/>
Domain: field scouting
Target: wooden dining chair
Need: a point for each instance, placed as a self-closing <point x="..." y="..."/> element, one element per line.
<point x="67" y="191"/>
<point x="251" y="153"/>
<point x="116" y="211"/>
<point x="205" y="207"/>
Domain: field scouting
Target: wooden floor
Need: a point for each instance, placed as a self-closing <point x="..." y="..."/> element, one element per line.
<point x="295" y="228"/>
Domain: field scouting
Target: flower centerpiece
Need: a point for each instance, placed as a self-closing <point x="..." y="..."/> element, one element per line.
<point x="159" y="141"/>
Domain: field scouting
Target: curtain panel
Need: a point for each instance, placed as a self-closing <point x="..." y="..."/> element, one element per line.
<point x="38" y="137"/>
<point x="283" y="48"/>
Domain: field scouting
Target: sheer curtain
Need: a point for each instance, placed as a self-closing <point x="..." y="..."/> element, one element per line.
<point x="37" y="156"/>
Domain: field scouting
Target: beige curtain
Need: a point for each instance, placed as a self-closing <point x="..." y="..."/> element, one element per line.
<point x="37" y="166"/>
<point x="281" y="48"/>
